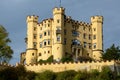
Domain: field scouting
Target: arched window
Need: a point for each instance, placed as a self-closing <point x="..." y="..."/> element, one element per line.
<point x="39" y="54"/>
<point x="75" y="33"/>
<point x="32" y="54"/>
<point x="75" y="42"/>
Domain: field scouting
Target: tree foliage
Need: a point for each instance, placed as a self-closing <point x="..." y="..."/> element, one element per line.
<point x="49" y="60"/>
<point x="67" y="58"/>
<point x="66" y="75"/>
<point x="112" y="53"/>
<point x="20" y="73"/>
<point x="47" y="75"/>
<point x="16" y="73"/>
<point x="5" y="50"/>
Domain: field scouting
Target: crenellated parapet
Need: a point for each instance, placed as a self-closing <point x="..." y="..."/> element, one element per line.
<point x="32" y="18"/>
<point x="77" y="23"/>
<point x="58" y="67"/>
<point x="2" y="64"/>
<point x="45" y="21"/>
<point x="69" y="63"/>
<point x="85" y="24"/>
<point x="97" y="19"/>
<point x="57" y="10"/>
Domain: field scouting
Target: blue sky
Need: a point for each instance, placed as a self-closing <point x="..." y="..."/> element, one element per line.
<point x="13" y="15"/>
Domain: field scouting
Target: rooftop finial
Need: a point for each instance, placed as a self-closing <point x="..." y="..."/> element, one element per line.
<point x="60" y="4"/>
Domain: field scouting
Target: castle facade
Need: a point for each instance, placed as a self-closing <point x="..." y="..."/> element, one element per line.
<point x="62" y="35"/>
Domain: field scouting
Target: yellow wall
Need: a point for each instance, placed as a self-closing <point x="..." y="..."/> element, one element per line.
<point x="58" y="67"/>
<point x="56" y="48"/>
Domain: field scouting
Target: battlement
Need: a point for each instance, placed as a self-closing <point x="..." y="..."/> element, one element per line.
<point x="74" y="22"/>
<point x="58" y="67"/>
<point x="45" y="21"/>
<point x="57" y="10"/>
<point x="68" y="63"/>
<point x="97" y="19"/>
<point x="85" y="24"/>
<point x="32" y="18"/>
<point x="5" y="65"/>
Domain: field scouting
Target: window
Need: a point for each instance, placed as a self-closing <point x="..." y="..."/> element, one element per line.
<point x="32" y="54"/>
<point x="87" y="54"/>
<point x="34" y="36"/>
<point x="48" y="42"/>
<point x="34" y="44"/>
<point x="65" y="40"/>
<point x="39" y="54"/>
<point x="75" y="33"/>
<point x="44" y="43"/>
<point x="84" y="35"/>
<point x="78" y="51"/>
<point x="58" y="38"/>
<point x="90" y="45"/>
<point x="89" y="37"/>
<point x="65" y="32"/>
<point x="40" y="44"/>
<point x="94" y="45"/>
<point x="58" y="21"/>
<point x="34" y="28"/>
<point x="48" y="25"/>
<point x="85" y="44"/>
<point x="58" y="31"/>
<point x="44" y="33"/>
<point x="48" y="52"/>
<point x="94" y="29"/>
<point x="40" y="35"/>
<point x="94" y="36"/>
<point x="48" y="32"/>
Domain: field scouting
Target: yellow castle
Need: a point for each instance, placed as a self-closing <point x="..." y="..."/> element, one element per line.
<point x="62" y="35"/>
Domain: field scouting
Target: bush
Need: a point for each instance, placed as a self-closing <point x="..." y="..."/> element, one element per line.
<point x="67" y="58"/>
<point x="94" y="74"/>
<point x="16" y="73"/>
<point x="23" y="74"/>
<point x="106" y="74"/>
<point x="81" y="76"/>
<point x="8" y="73"/>
<point x="47" y="75"/>
<point x="66" y="75"/>
<point x="49" y="60"/>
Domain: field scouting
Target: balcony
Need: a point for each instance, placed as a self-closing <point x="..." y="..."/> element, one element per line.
<point x="58" y="31"/>
<point x="77" y="46"/>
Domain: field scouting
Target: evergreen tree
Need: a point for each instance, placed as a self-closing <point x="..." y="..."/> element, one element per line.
<point x="112" y="53"/>
<point x="5" y="50"/>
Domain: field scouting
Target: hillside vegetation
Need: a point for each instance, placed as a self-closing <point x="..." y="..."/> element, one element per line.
<point x="19" y="73"/>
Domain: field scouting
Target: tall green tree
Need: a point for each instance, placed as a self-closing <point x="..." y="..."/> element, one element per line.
<point x="5" y="50"/>
<point x="112" y="53"/>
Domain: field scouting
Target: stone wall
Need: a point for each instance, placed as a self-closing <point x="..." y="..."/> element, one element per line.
<point x="59" y="67"/>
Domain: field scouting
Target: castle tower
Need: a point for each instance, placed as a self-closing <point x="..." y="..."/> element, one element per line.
<point x="31" y="51"/>
<point x="58" y="33"/>
<point x="97" y="40"/>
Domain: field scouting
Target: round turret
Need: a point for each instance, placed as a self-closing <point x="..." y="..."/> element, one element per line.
<point x="97" y="19"/>
<point x="32" y="18"/>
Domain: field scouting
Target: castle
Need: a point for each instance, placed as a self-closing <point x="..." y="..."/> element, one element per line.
<point x="62" y="35"/>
